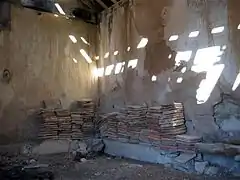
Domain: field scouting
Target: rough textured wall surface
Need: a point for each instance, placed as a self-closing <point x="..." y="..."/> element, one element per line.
<point x="158" y="20"/>
<point x="38" y="53"/>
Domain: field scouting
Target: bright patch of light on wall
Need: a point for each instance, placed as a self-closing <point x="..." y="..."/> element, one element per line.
<point x="184" y="69"/>
<point x="106" y="55"/>
<point x="194" y="34"/>
<point x="179" y="80"/>
<point x="99" y="72"/>
<point x="123" y="66"/>
<point x="224" y="47"/>
<point x="97" y="57"/>
<point x="115" y="53"/>
<point x="183" y="56"/>
<point x="85" y="55"/>
<point x="55" y="15"/>
<point x="239" y="26"/>
<point x="132" y="63"/>
<point x="59" y="8"/>
<point x="169" y="79"/>
<point x="73" y="39"/>
<point x="173" y="38"/>
<point x="207" y="85"/>
<point x="118" y="68"/>
<point x="236" y="83"/>
<point x="217" y="30"/>
<point x="205" y="58"/>
<point x="109" y="70"/>
<point x="169" y="56"/>
<point x="74" y="60"/>
<point x="142" y="43"/>
<point x="154" y="78"/>
<point x="84" y="41"/>
<point x="129" y="48"/>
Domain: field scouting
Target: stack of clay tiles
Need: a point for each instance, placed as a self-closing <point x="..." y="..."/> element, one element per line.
<point x="167" y="120"/>
<point x="64" y="123"/>
<point x="109" y="126"/>
<point x="48" y="125"/>
<point x="135" y="121"/>
<point x="83" y="119"/>
<point x="187" y="142"/>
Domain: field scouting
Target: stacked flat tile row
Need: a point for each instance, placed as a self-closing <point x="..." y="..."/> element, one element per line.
<point x="83" y="119"/>
<point x="63" y="124"/>
<point x="49" y="124"/>
<point x="165" y="121"/>
<point x="158" y="126"/>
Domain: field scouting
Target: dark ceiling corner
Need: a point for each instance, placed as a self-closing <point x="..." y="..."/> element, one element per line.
<point x="87" y="16"/>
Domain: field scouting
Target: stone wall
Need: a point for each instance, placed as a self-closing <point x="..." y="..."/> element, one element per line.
<point x="39" y="55"/>
<point x="158" y="21"/>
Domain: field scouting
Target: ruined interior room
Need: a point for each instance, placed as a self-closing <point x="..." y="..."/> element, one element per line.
<point x="120" y="89"/>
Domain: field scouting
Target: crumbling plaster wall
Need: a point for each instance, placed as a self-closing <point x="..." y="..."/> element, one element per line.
<point x="158" y="20"/>
<point x="38" y="53"/>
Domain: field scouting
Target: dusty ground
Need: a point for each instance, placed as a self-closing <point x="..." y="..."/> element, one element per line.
<point x="105" y="168"/>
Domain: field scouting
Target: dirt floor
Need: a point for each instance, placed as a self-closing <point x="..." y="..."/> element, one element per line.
<point x="109" y="168"/>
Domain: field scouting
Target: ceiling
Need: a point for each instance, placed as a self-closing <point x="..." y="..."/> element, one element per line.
<point x="68" y="6"/>
<point x="87" y="10"/>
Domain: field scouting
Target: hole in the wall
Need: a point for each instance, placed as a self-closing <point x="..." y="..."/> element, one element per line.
<point x="71" y="37"/>
<point x="194" y="34"/>
<point x="179" y="80"/>
<point x="59" y="8"/>
<point x="132" y="63"/>
<point x="86" y="56"/>
<point x="142" y="43"/>
<point x="109" y="70"/>
<point x="184" y="69"/>
<point x="74" y="60"/>
<point x="84" y="41"/>
<point x="106" y="55"/>
<point x="57" y="16"/>
<point x="6" y="76"/>
<point x="154" y="78"/>
<point x="118" y="67"/>
<point x="217" y="30"/>
<point x="113" y="106"/>
<point x="115" y="53"/>
<point x="238" y="26"/>
<point x="173" y="38"/>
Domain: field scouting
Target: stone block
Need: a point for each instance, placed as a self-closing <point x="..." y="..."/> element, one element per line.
<point x="200" y="166"/>
<point x="185" y="157"/>
<point x="237" y="158"/>
<point x="222" y="161"/>
<point x="212" y="170"/>
<point x="218" y="148"/>
<point x="52" y="147"/>
<point x="139" y="152"/>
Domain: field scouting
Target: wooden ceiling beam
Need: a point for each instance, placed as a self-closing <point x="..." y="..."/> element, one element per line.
<point x="102" y="4"/>
<point x="114" y="1"/>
